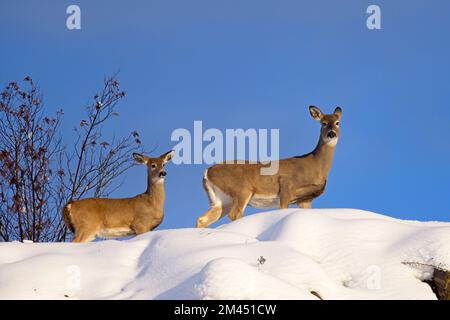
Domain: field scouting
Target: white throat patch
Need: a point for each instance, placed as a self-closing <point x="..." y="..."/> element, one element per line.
<point x="331" y="141"/>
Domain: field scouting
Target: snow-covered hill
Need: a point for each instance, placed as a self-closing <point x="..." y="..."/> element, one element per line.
<point x="334" y="253"/>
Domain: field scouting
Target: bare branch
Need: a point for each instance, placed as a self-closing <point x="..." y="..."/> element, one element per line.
<point x="39" y="174"/>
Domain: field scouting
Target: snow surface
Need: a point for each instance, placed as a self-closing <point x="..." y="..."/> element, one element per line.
<point x="335" y="253"/>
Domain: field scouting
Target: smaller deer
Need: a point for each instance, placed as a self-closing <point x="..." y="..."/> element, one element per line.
<point x="111" y="218"/>
<point x="232" y="186"/>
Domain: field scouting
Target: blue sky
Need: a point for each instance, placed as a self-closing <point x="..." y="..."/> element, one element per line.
<point x="258" y="64"/>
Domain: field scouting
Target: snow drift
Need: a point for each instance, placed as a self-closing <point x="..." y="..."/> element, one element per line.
<point x="308" y="253"/>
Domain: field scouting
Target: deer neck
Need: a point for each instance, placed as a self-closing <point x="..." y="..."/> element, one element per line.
<point x="323" y="155"/>
<point x="155" y="189"/>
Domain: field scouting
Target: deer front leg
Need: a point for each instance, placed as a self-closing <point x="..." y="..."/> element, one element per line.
<point x="307" y="204"/>
<point x="140" y="228"/>
<point x="84" y="236"/>
<point x="285" y="195"/>
<point x="284" y="200"/>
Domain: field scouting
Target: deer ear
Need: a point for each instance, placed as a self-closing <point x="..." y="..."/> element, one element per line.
<point x="139" y="158"/>
<point x="315" y="113"/>
<point x="168" y="156"/>
<point x="338" y="112"/>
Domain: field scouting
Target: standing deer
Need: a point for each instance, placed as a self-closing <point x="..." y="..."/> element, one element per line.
<point x="111" y="218"/>
<point x="231" y="187"/>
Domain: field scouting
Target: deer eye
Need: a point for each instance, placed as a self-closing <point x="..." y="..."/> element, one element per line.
<point x="153" y="165"/>
<point x="337" y="123"/>
<point x="324" y="124"/>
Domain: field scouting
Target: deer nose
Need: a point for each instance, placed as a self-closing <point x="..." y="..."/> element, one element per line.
<point x="162" y="174"/>
<point x="332" y="134"/>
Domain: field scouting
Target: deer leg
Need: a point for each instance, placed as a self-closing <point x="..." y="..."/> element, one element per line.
<point x="139" y="228"/>
<point x="219" y="206"/>
<point x="285" y="193"/>
<point x="307" y="204"/>
<point x="209" y="217"/>
<point x="155" y="224"/>
<point x="84" y="236"/>
<point x="238" y="207"/>
<point x="285" y="198"/>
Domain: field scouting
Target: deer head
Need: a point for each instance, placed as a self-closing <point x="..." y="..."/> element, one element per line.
<point x="155" y="166"/>
<point x="329" y="132"/>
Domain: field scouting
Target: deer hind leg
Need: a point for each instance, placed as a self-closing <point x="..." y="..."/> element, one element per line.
<point x="238" y="207"/>
<point x="209" y="217"/>
<point x="219" y="205"/>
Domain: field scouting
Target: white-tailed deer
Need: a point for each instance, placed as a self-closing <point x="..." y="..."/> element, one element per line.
<point x="110" y="218"/>
<point x="233" y="186"/>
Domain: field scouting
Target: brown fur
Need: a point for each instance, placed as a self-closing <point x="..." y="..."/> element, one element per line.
<point x="66" y="217"/>
<point x="93" y="217"/>
<point x="299" y="179"/>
